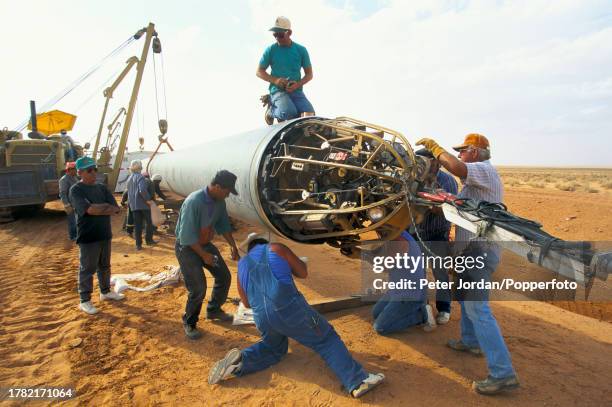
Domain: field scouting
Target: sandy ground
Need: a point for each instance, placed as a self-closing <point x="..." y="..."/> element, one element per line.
<point x="134" y="352"/>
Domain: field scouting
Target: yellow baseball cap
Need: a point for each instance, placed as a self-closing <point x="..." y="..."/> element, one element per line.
<point x="473" y="140"/>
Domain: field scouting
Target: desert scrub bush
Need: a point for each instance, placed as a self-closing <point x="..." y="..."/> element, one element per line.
<point x="567" y="186"/>
<point x="511" y="182"/>
<point x="536" y="184"/>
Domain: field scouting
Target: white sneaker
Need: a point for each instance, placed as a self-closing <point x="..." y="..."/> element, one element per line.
<point x="430" y="323"/>
<point x="373" y="380"/>
<point x="226" y="367"/>
<point x="443" y="318"/>
<point x="88" y="307"/>
<point x="111" y="295"/>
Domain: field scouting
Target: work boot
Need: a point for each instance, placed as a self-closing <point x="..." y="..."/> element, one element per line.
<point x="265" y="100"/>
<point x="373" y="380"/>
<point x="457" y="345"/>
<point x="430" y="321"/>
<point x="192" y="332"/>
<point x="492" y="385"/>
<point x="152" y="242"/>
<point x="111" y="296"/>
<point x="219" y="315"/>
<point x="88" y="307"/>
<point x="226" y="367"/>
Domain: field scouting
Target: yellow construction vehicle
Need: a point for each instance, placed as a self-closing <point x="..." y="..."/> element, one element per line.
<point x="30" y="169"/>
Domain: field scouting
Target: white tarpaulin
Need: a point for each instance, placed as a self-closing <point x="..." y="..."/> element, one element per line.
<point x="171" y="276"/>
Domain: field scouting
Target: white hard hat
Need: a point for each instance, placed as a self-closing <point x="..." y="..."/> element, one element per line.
<point x="244" y="245"/>
<point x="281" y="24"/>
<point x="156" y="177"/>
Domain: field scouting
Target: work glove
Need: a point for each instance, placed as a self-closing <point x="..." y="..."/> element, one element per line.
<point x="432" y="146"/>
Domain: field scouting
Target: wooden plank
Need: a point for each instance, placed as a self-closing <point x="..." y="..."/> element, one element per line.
<point x="339" y="303"/>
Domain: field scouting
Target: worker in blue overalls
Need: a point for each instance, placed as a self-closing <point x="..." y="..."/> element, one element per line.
<point x="402" y="308"/>
<point x="265" y="284"/>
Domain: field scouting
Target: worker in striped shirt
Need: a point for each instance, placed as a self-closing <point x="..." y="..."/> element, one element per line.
<point x="479" y="330"/>
<point x="433" y="232"/>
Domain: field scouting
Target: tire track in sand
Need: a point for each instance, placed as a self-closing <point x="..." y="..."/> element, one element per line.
<point x="38" y="298"/>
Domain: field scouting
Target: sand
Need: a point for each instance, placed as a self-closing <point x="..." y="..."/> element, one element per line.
<point x="134" y="352"/>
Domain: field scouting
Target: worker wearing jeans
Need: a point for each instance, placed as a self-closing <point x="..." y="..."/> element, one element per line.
<point x="479" y="328"/>
<point x="202" y="215"/>
<point x="93" y="204"/>
<point x="140" y="201"/>
<point x="286" y="59"/>
<point x="287" y="106"/>
<point x="94" y="258"/>
<point x="65" y="183"/>
<point x="402" y="308"/>
<point x="280" y="311"/>
<point x="191" y="268"/>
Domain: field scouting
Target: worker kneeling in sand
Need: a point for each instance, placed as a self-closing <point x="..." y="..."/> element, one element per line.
<point x="400" y="309"/>
<point x="266" y="285"/>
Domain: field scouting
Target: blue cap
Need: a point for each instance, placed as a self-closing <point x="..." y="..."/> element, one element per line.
<point x="85" y="162"/>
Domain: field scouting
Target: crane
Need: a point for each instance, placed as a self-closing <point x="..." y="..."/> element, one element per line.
<point x="151" y="37"/>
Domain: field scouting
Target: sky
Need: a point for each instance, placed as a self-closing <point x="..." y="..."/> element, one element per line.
<point x="534" y="76"/>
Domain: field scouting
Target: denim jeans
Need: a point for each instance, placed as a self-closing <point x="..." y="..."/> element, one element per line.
<point x="287" y="106"/>
<point x="478" y="325"/>
<point x="281" y="312"/>
<point x="299" y="321"/>
<point x="440" y="247"/>
<point x="72" y="227"/>
<point x="396" y="315"/>
<point x="94" y="258"/>
<point x="141" y="217"/>
<point x="195" y="281"/>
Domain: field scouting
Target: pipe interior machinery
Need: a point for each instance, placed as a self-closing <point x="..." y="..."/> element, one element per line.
<point x="311" y="180"/>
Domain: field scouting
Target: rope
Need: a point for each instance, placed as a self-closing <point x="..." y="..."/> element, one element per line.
<point x="94" y="93"/>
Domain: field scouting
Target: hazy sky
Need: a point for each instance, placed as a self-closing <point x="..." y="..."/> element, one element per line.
<point x="534" y="76"/>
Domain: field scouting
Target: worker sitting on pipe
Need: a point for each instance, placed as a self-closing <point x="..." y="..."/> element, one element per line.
<point x="265" y="284"/>
<point x="286" y="58"/>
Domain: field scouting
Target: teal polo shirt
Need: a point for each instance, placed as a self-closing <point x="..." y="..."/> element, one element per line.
<point x="200" y="211"/>
<point x="286" y="62"/>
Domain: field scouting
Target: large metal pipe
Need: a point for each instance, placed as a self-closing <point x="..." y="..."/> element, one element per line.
<point x="190" y="169"/>
<point x="309" y="179"/>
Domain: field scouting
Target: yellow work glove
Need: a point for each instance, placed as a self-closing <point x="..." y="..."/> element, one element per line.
<point x="432" y="146"/>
